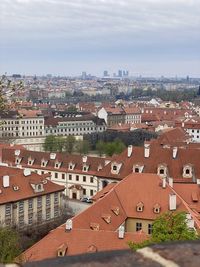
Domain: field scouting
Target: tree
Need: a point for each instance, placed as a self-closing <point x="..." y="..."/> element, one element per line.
<point x="9" y="90"/>
<point x="82" y="146"/>
<point x="100" y="147"/>
<point x="50" y="143"/>
<point x="59" y="144"/>
<point x="69" y="144"/>
<point x="170" y="226"/>
<point x="9" y="247"/>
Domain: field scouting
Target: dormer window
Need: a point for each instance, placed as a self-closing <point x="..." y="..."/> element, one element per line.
<point x="156" y="208"/>
<point x="37" y="187"/>
<point x="44" y="163"/>
<point x="30" y="161"/>
<point x="162" y="170"/>
<point x="140" y="207"/>
<point x="115" y="167"/>
<point x="106" y="218"/>
<point x="57" y="164"/>
<point x="17" y="160"/>
<point x="187" y="171"/>
<point x="138" y="168"/>
<point x="71" y="166"/>
<point x="62" y="250"/>
<point x="85" y="168"/>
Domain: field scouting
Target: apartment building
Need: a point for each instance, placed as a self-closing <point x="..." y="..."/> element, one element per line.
<point x="76" y="173"/>
<point x="75" y="125"/>
<point x="23" y="127"/>
<point x="27" y="198"/>
<point x="120" y="115"/>
<point x="123" y="213"/>
<point x="192" y="127"/>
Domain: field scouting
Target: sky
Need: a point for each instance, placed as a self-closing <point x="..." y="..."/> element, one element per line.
<point x="66" y="37"/>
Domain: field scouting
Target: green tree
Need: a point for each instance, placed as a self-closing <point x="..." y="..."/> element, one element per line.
<point x="9" y="248"/>
<point x="119" y="146"/>
<point x="69" y="144"/>
<point x="59" y="144"/>
<point x="170" y="226"/>
<point x="100" y="147"/>
<point x="82" y="146"/>
<point x="50" y="143"/>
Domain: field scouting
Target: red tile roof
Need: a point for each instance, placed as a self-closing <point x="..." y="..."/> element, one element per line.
<point x="25" y="191"/>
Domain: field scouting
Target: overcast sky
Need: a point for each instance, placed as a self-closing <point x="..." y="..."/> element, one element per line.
<point x="148" y="37"/>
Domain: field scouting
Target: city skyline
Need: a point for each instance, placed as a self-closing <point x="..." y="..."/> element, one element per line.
<point x="146" y="37"/>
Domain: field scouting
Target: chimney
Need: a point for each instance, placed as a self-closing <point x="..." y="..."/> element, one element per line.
<point x="164" y="182"/>
<point x="189" y="221"/>
<point x="146" y="150"/>
<point x="121" y="232"/>
<point x="183" y="124"/>
<point x="170" y="181"/>
<point x="84" y="159"/>
<point x="68" y="225"/>
<point x="172" y="202"/>
<point x="27" y="172"/>
<point x="198" y="181"/>
<point x="130" y="150"/>
<point x="175" y="151"/>
<point x="6" y="181"/>
<point x="52" y="156"/>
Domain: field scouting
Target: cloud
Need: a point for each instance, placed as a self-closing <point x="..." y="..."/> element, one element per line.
<point x="123" y="28"/>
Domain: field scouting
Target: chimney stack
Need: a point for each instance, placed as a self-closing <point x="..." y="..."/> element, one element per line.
<point x="121" y="232"/>
<point x="170" y="181"/>
<point x="130" y="151"/>
<point x="84" y="159"/>
<point x="6" y="181"/>
<point x="68" y="225"/>
<point x="146" y="150"/>
<point x="172" y="202"/>
<point x="175" y="151"/>
<point x="164" y="182"/>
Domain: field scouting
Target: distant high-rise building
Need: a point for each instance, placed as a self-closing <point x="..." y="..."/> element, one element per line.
<point x="105" y="73"/>
<point x="119" y="73"/>
<point x="84" y="75"/>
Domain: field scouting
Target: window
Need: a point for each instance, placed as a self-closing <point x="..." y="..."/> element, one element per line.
<point x="39" y="202"/>
<point x="187" y="171"/>
<point x="150" y="229"/>
<point x="21" y="206"/>
<point x="56" y="211"/>
<point x="138" y="226"/>
<point x="48" y="217"/>
<point x="48" y="200"/>
<point x="140" y="207"/>
<point x="39" y="216"/>
<point x="70" y="177"/>
<point x="8" y="209"/>
<point x="30" y="204"/>
<point x="56" y="175"/>
<point x="77" y="178"/>
<point x="63" y="176"/>
<point x="162" y="171"/>
<point x="55" y="198"/>
<point x="91" y="192"/>
<point x="84" y="178"/>
<point x="84" y="191"/>
<point x="114" y="168"/>
<point x="91" y="179"/>
<point x="30" y="218"/>
<point x="137" y="170"/>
